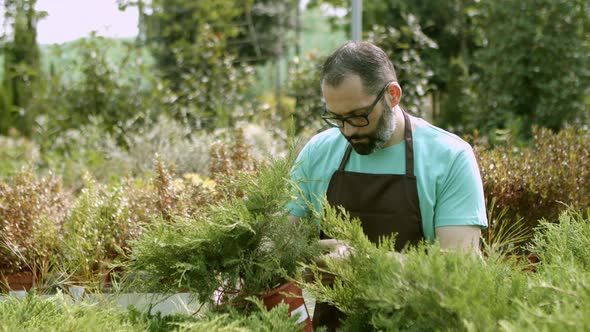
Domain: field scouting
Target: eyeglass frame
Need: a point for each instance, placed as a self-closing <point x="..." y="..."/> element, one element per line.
<point x="346" y="119"/>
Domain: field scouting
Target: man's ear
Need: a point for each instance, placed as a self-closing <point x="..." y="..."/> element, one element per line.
<point x="395" y="93"/>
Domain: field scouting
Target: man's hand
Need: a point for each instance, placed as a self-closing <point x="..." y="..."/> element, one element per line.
<point x="333" y="249"/>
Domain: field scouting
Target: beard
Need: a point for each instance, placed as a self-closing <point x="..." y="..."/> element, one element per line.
<point x="379" y="137"/>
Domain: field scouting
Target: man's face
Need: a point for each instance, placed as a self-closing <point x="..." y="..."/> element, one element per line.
<point x="349" y="98"/>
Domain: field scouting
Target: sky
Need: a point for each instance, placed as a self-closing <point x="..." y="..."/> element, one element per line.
<point x="71" y="19"/>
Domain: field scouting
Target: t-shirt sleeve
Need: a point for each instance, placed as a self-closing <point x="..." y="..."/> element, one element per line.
<point x="300" y="189"/>
<point x="460" y="197"/>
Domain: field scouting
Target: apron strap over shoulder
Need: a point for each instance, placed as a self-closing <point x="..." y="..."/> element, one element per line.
<point x="345" y="158"/>
<point x="409" y="145"/>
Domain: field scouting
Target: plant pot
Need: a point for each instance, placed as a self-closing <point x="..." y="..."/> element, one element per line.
<point x="291" y="294"/>
<point x="530" y="261"/>
<point x="20" y="281"/>
<point x="77" y="292"/>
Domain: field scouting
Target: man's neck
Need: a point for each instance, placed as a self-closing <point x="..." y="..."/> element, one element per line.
<point x="400" y="125"/>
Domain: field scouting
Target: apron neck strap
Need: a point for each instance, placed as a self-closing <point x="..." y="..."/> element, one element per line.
<point x="345" y="158"/>
<point x="409" y="144"/>
<point x="409" y="147"/>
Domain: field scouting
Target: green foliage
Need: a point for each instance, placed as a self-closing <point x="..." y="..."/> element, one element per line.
<point x="17" y="152"/>
<point x="422" y="289"/>
<point x="405" y="45"/>
<point x="73" y="152"/>
<point x="267" y="27"/>
<point x="534" y="62"/>
<point x="210" y="92"/>
<point x="119" y="91"/>
<point x="21" y="65"/>
<point x="563" y="243"/>
<point x="261" y="320"/>
<point x="504" y="235"/>
<point x="533" y="182"/>
<point x="558" y="295"/>
<point x="426" y="289"/>
<point x="58" y="313"/>
<point x="246" y="240"/>
<point x="99" y="217"/>
<point x="304" y="86"/>
<point x="454" y="114"/>
<point x="204" y="87"/>
<point x="174" y="143"/>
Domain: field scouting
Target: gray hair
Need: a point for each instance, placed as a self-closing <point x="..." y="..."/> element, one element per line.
<point x="364" y="59"/>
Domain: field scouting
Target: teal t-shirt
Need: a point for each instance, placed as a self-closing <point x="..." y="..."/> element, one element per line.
<point x="448" y="179"/>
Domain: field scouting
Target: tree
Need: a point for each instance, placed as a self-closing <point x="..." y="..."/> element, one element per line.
<point x="265" y="29"/>
<point x="189" y="41"/>
<point x="400" y="34"/>
<point x="21" y="64"/>
<point x="534" y="64"/>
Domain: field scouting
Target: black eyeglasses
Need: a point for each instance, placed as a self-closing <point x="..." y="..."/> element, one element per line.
<point x="353" y="120"/>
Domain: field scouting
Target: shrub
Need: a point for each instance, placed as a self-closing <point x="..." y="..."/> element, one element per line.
<point x="93" y="231"/>
<point x="58" y="313"/>
<point x="426" y="289"/>
<point x="173" y="142"/>
<point x="87" y="149"/>
<point x="15" y="153"/>
<point x="558" y="294"/>
<point x="32" y="210"/>
<point x="534" y="182"/>
<point x="244" y="239"/>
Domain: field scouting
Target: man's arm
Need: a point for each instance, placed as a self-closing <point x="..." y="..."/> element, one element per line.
<point x="459" y="237"/>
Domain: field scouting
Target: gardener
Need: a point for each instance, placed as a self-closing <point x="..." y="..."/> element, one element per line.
<point x="397" y="173"/>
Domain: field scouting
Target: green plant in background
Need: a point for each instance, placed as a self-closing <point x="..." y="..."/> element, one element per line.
<point x="173" y="142"/>
<point x="404" y="46"/>
<point x="205" y="87"/>
<point x="243" y="246"/>
<point x="117" y="90"/>
<point x="504" y="235"/>
<point x="73" y="152"/>
<point x="533" y="63"/>
<point x="21" y="65"/>
<point x="304" y="86"/>
<point x="17" y="152"/>
<point x="98" y="218"/>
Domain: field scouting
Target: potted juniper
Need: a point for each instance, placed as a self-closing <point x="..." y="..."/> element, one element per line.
<point x="241" y="247"/>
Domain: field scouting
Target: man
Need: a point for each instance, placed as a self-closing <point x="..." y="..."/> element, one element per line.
<point x="397" y="173"/>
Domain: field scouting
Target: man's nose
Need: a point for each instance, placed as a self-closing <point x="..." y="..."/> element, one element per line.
<point x="348" y="129"/>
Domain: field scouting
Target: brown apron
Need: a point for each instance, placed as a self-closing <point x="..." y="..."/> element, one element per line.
<point x="385" y="204"/>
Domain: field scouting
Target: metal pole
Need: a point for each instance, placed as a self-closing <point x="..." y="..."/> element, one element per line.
<point x="357" y="19"/>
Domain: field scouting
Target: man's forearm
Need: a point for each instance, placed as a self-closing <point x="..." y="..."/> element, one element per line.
<point x="459" y="237"/>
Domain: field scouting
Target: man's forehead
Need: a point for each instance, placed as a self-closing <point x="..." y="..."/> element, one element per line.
<point x="350" y="82"/>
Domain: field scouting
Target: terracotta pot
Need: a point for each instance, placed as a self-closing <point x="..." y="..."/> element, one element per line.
<point x="291" y="294"/>
<point x="20" y="281"/>
<point x="530" y="260"/>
